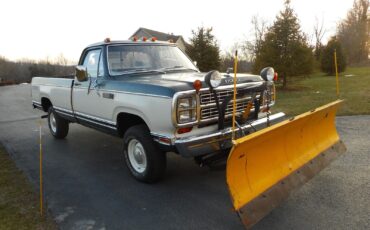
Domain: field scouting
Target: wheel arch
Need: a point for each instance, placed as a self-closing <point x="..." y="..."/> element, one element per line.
<point x="125" y="120"/>
<point x="45" y="103"/>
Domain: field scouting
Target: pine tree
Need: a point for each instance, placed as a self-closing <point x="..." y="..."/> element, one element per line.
<point x="285" y="47"/>
<point x="204" y="49"/>
<point x="327" y="61"/>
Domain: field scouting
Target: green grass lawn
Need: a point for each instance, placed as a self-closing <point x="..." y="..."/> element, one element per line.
<point x="304" y="94"/>
<point x="19" y="206"/>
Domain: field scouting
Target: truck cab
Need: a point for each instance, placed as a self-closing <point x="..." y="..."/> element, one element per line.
<point x="152" y="96"/>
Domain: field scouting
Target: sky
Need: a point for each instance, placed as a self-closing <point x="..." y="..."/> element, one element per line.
<point x="37" y="29"/>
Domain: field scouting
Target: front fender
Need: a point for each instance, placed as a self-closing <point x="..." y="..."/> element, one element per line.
<point x="155" y="111"/>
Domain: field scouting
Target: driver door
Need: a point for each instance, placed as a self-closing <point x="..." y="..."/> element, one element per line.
<point x="90" y="108"/>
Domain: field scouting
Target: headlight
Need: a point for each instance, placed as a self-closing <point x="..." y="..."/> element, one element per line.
<point x="213" y="79"/>
<point x="186" y="116"/>
<point x="268" y="73"/>
<point x="186" y="103"/>
<point x="186" y="110"/>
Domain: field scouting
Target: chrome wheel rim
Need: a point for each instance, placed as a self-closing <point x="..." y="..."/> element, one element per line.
<point x="137" y="155"/>
<point x="53" y="122"/>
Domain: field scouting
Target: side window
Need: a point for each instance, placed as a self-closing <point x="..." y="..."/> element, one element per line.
<point x="91" y="62"/>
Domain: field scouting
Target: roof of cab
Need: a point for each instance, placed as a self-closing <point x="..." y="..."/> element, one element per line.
<point x="129" y="42"/>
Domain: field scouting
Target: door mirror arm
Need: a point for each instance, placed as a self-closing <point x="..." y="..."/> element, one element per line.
<point x="94" y="85"/>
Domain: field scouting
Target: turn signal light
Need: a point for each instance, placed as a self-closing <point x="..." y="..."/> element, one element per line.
<point x="197" y="85"/>
<point x="164" y="140"/>
<point x="184" y="130"/>
<point x="275" y="76"/>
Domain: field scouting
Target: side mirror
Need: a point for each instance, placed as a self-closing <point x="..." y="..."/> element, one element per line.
<point x="229" y="70"/>
<point x="81" y="73"/>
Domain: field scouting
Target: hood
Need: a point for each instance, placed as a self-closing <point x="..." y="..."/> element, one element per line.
<point x="227" y="79"/>
<point x="170" y="83"/>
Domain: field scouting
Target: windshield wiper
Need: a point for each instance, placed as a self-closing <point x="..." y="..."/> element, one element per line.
<point x="142" y="70"/>
<point x="178" y="67"/>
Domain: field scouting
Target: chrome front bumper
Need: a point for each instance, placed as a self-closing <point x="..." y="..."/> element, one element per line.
<point x="210" y="143"/>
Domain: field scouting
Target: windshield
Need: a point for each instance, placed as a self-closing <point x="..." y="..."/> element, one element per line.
<point x="124" y="59"/>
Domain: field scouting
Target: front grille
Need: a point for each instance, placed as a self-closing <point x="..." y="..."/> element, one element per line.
<point x="208" y="110"/>
<point x="207" y="97"/>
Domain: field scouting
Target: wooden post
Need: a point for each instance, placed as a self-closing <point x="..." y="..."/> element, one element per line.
<point x="234" y="97"/>
<point x="40" y="166"/>
<point x="336" y="71"/>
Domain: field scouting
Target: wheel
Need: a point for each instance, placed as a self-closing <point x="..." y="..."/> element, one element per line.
<point x="58" y="126"/>
<point x="143" y="157"/>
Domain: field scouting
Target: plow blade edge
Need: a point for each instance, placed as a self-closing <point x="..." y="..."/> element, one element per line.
<point x="265" y="166"/>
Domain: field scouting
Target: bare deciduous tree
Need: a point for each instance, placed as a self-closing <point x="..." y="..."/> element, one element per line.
<point x="352" y="32"/>
<point x="61" y="60"/>
<point x="318" y="33"/>
<point x="251" y="48"/>
<point x="228" y="58"/>
<point x="13" y="72"/>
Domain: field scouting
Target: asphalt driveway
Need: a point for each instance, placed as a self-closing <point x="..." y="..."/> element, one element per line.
<point x="87" y="185"/>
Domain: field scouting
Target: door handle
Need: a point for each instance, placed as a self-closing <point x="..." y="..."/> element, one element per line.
<point x="77" y="84"/>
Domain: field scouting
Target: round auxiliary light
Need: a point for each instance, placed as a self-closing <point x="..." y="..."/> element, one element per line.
<point x="197" y="85"/>
<point x="268" y="73"/>
<point x="276" y="76"/>
<point x="213" y="79"/>
<point x="144" y="39"/>
<point x="107" y="40"/>
<point x="134" y="39"/>
<point x="154" y="39"/>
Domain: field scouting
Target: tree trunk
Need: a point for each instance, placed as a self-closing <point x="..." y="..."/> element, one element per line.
<point x="284" y="80"/>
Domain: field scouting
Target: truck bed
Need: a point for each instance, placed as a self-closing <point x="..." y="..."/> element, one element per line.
<point x="56" y="90"/>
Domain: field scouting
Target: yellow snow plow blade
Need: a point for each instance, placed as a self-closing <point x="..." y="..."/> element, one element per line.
<point x="265" y="166"/>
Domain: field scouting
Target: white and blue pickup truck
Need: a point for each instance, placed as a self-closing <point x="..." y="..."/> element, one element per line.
<point x="153" y="96"/>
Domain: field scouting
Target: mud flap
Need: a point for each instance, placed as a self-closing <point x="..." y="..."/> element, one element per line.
<point x="265" y="166"/>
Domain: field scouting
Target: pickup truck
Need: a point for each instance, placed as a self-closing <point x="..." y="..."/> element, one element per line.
<point x="153" y="96"/>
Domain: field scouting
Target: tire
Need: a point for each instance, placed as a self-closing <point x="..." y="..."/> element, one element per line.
<point x="57" y="125"/>
<point x="143" y="157"/>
